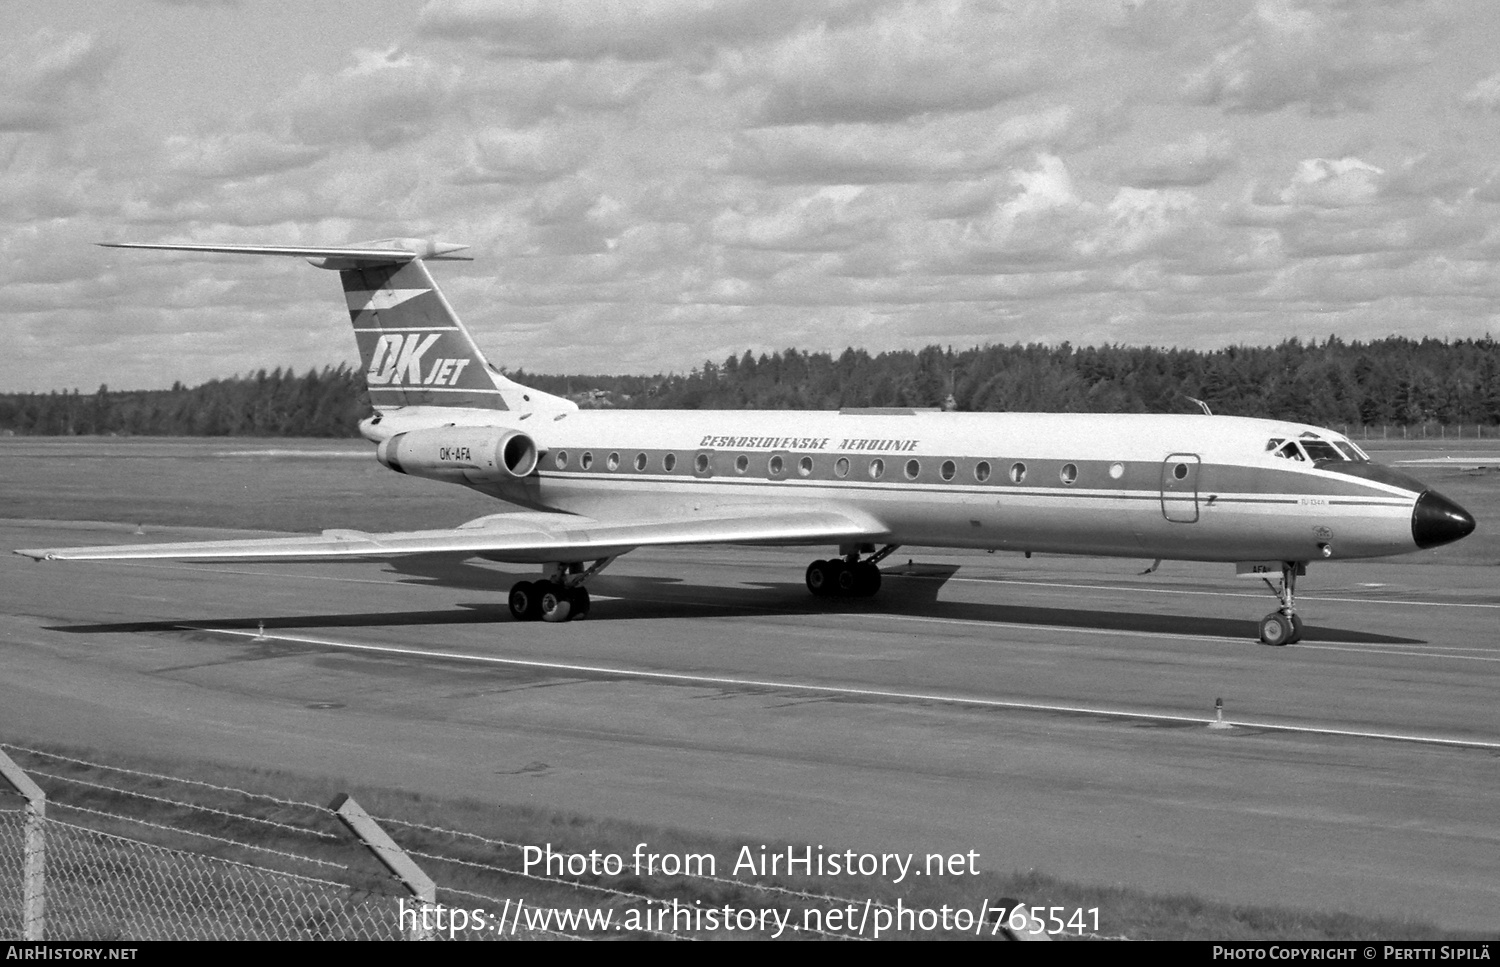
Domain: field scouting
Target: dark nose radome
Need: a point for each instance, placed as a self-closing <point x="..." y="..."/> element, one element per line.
<point x="1436" y="520"/>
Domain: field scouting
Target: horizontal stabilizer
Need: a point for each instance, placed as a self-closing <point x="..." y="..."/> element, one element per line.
<point x="518" y="537"/>
<point x="385" y="251"/>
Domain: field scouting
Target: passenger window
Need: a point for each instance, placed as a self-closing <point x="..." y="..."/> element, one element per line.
<point x="877" y="469"/>
<point x="700" y="464"/>
<point x="640" y="461"/>
<point x="982" y="471"/>
<point x="913" y="469"/>
<point x="669" y="462"/>
<point x="1068" y="473"/>
<point x="741" y="463"/>
<point x="613" y="462"/>
<point x="587" y="460"/>
<point x="1017" y="472"/>
<point x="776" y="465"/>
<point x="561" y="460"/>
<point x="841" y="466"/>
<point x="949" y="469"/>
<point x="805" y="466"/>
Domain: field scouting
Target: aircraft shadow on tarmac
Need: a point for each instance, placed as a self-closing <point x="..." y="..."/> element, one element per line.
<point x="907" y="591"/>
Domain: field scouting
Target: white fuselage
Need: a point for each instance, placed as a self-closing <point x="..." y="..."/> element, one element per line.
<point x="1178" y="487"/>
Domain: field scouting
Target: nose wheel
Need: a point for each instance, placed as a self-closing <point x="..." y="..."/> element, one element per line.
<point x="1284" y="626"/>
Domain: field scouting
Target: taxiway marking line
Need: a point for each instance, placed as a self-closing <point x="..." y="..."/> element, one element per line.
<point x="1392" y="651"/>
<point x="1217" y="594"/>
<point x="685" y="678"/>
<point x="1371" y="650"/>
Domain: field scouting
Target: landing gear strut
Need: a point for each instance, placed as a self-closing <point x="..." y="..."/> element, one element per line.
<point x="559" y="597"/>
<point x="1284" y="626"/>
<point x="847" y="577"/>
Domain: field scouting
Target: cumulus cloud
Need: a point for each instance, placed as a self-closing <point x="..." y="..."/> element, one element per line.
<point x="46" y="79"/>
<point x="835" y="217"/>
<point x="1484" y="95"/>
<point x="947" y="147"/>
<point x="235" y="155"/>
<point x="1333" y="184"/>
<point x="644" y="30"/>
<point x="382" y="99"/>
<point x="1326" y="57"/>
<point x="1139" y="220"/>
<point x="1040" y="220"/>
<point x="908" y="60"/>
<point x="767" y="173"/>
<point x="525" y="156"/>
<point x="1196" y="161"/>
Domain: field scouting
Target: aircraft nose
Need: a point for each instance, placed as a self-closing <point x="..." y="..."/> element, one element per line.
<point x="1436" y="520"/>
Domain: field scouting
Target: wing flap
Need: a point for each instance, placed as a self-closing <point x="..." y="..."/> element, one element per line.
<point x="521" y="538"/>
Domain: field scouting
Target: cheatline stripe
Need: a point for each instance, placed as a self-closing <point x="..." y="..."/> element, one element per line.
<point x="843" y="689"/>
<point x="610" y="478"/>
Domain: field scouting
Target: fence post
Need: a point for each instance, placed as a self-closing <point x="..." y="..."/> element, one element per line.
<point x="34" y="889"/>
<point x="393" y="858"/>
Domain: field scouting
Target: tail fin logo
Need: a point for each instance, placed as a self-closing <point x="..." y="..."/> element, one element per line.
<point x="397" y="360"/>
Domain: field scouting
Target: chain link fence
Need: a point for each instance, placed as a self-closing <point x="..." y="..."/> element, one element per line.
<point x="143" y="855"/>
<point x="12" y="867"/>
<point x="105" y="887"/>
<point x="102" y="886"/>
<point x="1419" y="431"/>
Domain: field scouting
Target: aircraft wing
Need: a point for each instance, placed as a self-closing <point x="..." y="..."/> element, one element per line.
<point x="517" y="537"/>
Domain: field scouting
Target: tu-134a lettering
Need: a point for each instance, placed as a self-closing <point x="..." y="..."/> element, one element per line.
<point x="585" y="486"/>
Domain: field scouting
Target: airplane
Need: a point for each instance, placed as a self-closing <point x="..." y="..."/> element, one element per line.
<point x="588" y="485"/>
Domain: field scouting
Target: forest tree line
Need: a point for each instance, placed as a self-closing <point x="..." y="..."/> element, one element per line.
<point x="1388" y="381"/>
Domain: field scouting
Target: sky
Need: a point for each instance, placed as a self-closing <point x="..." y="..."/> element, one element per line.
<point x="647" y="185"/>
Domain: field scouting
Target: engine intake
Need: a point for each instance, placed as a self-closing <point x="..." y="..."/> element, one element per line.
<point x="476" y="454"/>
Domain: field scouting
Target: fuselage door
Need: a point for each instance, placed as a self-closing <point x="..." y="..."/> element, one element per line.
<point x="1179" y="488"/>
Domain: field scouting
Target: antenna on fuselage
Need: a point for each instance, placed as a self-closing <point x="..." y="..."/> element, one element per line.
<point x="1202" y="405"/>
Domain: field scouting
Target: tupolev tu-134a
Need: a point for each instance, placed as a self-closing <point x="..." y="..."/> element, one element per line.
<point x="587" y="485"/>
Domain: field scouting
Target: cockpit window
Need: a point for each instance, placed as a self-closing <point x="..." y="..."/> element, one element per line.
<point x="1322" y="450"/>
<point x="1310" y="446"/>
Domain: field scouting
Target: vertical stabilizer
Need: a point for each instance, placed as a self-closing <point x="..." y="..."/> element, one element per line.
<point x="412" y="346"/>
<point x="413" y="349"/>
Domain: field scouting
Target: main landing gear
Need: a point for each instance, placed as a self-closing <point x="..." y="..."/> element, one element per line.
<point x="847" y="577"/>
<point x="560" y="596"/>
<point x="1284" y="626"/>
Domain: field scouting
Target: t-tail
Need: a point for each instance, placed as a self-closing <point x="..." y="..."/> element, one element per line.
<point x="414" y="350"/>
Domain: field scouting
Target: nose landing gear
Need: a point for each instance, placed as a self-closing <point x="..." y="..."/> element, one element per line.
<point x="1284" y="626"/>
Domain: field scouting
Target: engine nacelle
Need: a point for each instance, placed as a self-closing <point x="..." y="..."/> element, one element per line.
<point x="473" y="454"/>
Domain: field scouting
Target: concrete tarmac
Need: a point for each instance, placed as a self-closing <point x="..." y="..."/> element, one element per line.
<point x="1049" y="714"/>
